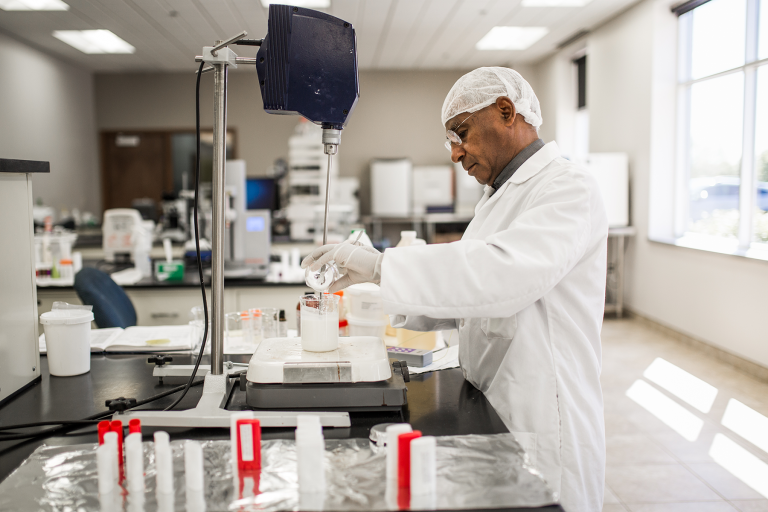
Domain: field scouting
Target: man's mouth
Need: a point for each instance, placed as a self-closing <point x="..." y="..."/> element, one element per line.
<point x="469" y="169"/>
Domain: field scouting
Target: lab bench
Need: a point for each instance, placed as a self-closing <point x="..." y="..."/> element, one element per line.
<point x="169" y="303"/>
<point x="440" y="403"/>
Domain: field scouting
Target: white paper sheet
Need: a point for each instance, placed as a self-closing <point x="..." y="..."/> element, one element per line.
<point x="441" y="360"/>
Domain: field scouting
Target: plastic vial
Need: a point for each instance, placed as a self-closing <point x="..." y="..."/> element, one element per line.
<point x="423" y="471"/>
<point x="282" y="325"/>
<point x="134" y="462"/>
<point x="106" y="460"/>
<point x="310" y="455"/>
<point x="393" y="431"/>
<point x="163" y="463"/>
<point x="110" y="440"/>
<point x="193" y="465"/>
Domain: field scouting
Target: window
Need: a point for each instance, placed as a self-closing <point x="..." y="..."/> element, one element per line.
<point x="723" y="122"/>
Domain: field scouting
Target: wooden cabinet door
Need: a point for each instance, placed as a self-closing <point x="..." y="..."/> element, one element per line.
<point x="135" y="165"/>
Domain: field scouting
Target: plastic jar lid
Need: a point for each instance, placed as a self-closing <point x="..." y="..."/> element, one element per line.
<point x="66" y="317"/>
<point x="366" y="322"/>
<point x="363" y="289"/>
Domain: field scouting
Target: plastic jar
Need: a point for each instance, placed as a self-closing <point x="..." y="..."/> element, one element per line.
<point x="366" y="326"/>
<point x="68" y="341"/>
<point x="364" y="301"/>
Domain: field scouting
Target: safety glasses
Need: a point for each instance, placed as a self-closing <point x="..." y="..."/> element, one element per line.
<point x="452" y="137"/>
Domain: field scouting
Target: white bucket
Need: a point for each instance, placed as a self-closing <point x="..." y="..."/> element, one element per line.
<point x="68" y="341"/>
<point x="365" y="301"/>
<point x="366" y="326"/>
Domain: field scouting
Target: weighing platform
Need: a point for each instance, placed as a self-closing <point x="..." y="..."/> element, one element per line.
<point x="440" y="403"/>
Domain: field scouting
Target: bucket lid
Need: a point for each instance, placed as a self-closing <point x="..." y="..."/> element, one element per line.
<point x="66" y="317"/>
<point x="366" y="322"/>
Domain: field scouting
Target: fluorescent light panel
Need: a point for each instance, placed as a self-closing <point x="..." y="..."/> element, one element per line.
<point x="747" y="422"/>
<point x="33" y="5"/>
<point x="688" y="388"/>
<point x="672" y="414"/>
<point x="309" y="4"/>
<point x="94" y="41"/>
<point x="740" y="463"/>
<point x="511" y="38"/>
<point x="555" y="3"/>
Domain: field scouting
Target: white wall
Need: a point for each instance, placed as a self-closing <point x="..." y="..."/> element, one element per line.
<point x="631" y="72"/>
<point x="398" y="115"/>
<point x="47" y="113"/>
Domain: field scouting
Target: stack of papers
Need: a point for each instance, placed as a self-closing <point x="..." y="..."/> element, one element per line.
<point x="164" y="338"/>
<point x="441" y="360"/>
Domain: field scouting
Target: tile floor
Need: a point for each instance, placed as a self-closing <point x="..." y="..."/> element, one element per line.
<point x="650" y="467"/>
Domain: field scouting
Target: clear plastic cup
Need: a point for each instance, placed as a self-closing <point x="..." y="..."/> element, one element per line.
<point x="319" y="322"/>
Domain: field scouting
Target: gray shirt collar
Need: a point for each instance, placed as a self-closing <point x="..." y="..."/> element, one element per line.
<point x="516" y="162"/>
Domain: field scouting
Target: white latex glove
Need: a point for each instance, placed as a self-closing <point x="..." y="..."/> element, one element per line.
<point x="361" y="263"/>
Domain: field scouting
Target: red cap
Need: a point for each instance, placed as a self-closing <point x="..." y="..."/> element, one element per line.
<point x="343" y="323"/>
<point x="117" y="427"/>
<point x="248" y="445"/>
<point x="404" y="457"/>
<point x="134" y="426"/>
<point x="104" y="427"/>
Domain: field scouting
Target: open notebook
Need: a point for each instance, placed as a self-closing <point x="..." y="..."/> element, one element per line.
<point x="163" y="338"/>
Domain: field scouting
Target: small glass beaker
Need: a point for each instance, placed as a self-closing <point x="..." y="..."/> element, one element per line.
<point x="196" y="329"/>
<point x="268" y="319"/>
<point x="319" y="322"/>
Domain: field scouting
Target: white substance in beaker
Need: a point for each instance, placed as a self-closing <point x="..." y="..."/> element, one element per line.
<point x="320" y="332"/>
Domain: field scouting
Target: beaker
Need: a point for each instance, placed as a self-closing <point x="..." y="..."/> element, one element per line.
<point x="196" y="329"/>
<point x="319" y="322"/>
<point x="267" y="318"/>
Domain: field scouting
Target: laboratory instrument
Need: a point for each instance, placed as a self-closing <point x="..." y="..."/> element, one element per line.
<point x="432" y="189"/>
<point x="391" y="188"/>
<point x="322" y="86"/>
<point x="413" y="357"/>
<point x="20" y="364"/>
<point x="117" y="228"/>
<point x="248" y="237"/>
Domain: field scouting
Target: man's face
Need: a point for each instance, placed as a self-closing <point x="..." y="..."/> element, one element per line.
<point x="481" y="143"/>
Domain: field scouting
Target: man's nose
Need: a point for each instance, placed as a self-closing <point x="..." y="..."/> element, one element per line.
<point x="457" y="153"/>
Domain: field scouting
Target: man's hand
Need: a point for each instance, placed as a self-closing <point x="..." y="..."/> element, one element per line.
<point x="361" y="263"/>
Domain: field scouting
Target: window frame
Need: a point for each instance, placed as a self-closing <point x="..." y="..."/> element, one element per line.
<point x="747" y="172"/>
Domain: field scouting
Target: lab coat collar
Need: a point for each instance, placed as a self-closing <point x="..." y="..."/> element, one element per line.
<point x="536" y="163"/>
<point x="528" y="170"/>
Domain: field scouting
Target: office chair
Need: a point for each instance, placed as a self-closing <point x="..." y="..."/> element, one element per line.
<point x="111" y="305"/>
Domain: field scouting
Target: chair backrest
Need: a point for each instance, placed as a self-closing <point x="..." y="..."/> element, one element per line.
<point x="111" y="305"/>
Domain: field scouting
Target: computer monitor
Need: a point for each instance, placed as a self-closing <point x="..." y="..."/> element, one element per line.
<point x="261" y="194"/>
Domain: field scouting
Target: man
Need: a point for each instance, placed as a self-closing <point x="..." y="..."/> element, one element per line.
<point x="525" y="286"/>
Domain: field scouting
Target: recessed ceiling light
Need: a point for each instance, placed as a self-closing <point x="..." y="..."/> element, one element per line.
<point x="555" y="3"/>
<point x="310" y="4"/>
<point x="94" y="41"/>
<point x="511" y="38"/>
<point x="33" y="5"/>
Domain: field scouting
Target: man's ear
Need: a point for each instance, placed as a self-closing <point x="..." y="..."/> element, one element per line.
<point x="507" y="110"/>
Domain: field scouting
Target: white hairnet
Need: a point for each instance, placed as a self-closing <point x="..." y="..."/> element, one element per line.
<point x="481" y="87"/>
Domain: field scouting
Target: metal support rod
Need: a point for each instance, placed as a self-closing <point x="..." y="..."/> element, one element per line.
<point x="217" y="256"/>
<point x="327" y="201"/>
<point x="222" y="44"/>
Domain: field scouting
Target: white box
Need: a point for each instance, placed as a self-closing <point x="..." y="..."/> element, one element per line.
<point x="391" y="182"/>
<point x="432" y="187"/>
<point x="612" y="173"/>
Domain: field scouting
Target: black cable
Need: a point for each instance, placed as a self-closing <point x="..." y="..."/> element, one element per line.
<point x="73" y="424"/>
<point x="197" y="239"/>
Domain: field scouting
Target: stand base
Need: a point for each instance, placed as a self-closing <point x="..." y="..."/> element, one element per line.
<point x="210" y="412"/>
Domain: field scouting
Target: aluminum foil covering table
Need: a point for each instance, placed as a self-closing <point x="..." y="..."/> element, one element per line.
<point x="488" y="471"/>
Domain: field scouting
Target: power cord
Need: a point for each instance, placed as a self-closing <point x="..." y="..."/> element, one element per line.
<point x="75" y="424"/>
<point x="197" y="239"/>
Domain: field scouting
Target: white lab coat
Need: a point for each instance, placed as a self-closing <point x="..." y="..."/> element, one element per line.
<point x="525" y="287"/>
